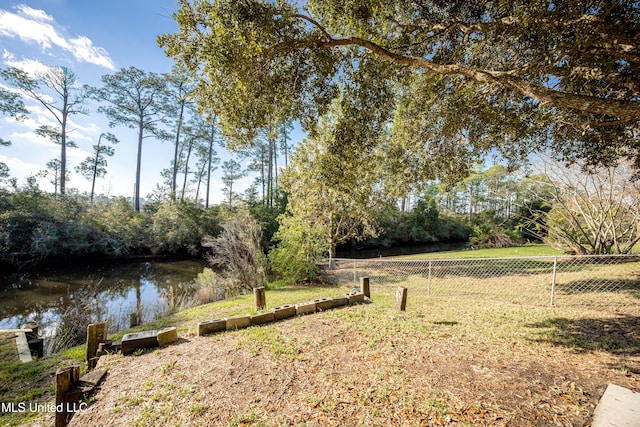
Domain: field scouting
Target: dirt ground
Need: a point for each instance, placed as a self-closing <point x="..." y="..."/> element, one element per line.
<point x="322" y="370"/>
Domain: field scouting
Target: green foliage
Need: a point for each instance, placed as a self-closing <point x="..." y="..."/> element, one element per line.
<point x="58" y="91"/>
<point x="180" y="226"/>
<point x="299" y="246"/>
<point x="267" y="218"/>
<point x="35" y="226"/>
<point x="451" y="81"/>
<point x="326" y="190"/>
<point x="138" y="100"/>
<point x="531" y="220"/>
<point x="423" y="224"/>
<point x="125" y="229"/>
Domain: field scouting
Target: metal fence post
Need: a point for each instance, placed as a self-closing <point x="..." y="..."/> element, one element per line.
<point x="429" y="280"/>
<point x="355" y="279"/>
<point x="553" y="279"/>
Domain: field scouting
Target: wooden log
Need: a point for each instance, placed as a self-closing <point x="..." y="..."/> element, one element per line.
<point x="96" y="333"/>
<point x="259" y="298"/>
<point x="65" y="379"/>
<point x="364" y="287"/>
<point x="401" y="299"/>
<point x="84" y="386"/>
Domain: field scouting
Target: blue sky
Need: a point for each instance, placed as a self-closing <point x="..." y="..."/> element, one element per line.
<point x="92" y="38"/>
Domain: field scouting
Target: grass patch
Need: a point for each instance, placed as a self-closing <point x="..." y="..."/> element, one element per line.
<point x="30" y="382"/>
<point x="268" y="339"/>
<point x="278" y="295"/>
<point x="516" y="251"/>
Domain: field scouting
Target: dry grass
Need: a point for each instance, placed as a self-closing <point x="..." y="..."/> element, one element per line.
<point x="603" y="284"/>
<point x="442" y="362"/>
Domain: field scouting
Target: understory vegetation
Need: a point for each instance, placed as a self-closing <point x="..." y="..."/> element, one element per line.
<point x="284" y="236"/>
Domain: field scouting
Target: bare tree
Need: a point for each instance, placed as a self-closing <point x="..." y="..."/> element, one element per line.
<point x="237" y="252"/>
<point x="64" y="97"/>
<point x="594" y="210"/>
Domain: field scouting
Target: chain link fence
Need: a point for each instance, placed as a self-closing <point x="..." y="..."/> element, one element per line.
<point x="603" y="282"/>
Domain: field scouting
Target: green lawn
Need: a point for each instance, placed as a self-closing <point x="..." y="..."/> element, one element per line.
<point x="30" y="382"/>
<point x="517" y="251"/>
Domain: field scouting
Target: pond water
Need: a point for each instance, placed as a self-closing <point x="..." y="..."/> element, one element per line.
<point x="107" y="290"/>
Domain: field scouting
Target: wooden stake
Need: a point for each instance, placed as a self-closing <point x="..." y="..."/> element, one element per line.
<point x="401" y="299"/>
<point x="96" y="333"/>
<point x="134" y="320"/>
<point x="259" y="298"/>
<point x="65" y="379"/>
<point x="364" y="287"/>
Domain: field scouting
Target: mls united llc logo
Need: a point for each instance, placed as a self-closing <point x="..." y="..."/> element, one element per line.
<point x="21" y="407"/>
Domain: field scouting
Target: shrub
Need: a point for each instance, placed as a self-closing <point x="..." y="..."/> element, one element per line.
<point x="210" y="288"/>
<point x="299" y="247"/>
<point x="237" y="253"/>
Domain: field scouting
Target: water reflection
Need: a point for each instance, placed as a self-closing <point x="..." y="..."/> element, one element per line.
<point x="109" y="291"/>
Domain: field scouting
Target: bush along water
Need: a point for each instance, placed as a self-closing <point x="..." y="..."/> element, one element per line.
<point x="36" y="226"/>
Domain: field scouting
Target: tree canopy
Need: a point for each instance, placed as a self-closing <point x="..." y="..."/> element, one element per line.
<point x="452" y="79"/>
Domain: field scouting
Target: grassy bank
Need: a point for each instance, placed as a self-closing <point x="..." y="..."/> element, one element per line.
<point x="30" y="382"/>
<point x="34" y="381"/>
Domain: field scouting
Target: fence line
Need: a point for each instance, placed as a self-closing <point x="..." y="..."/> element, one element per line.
<point x="610" y="282"/>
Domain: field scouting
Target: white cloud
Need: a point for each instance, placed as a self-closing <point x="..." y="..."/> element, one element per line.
<point x="32" y="67"/>
<point x="32" y="26"/>
<point x="37" y="15"/>
<point x="83" y="49"/>
<point x="30" y="137"/>
<point x="79" y="132"/>
<point x="36" y="26"/>
<point x="19" y="167"/>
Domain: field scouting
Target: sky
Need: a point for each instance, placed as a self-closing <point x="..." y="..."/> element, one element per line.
<point x="92" y="38"/>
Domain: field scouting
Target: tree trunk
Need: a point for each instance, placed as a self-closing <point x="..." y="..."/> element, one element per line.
<point x="55" y="184"/>
<point x="262" y="177"/>
<point x="186" y="169"/>
<point x="95" y="168"/>
<point x="175" y="150"/>
<point x="270" y="172"/>
<point x="470" y="201"/>
<point x="286" y="149"/>
<point x="63" y="152"/>
<point x="211" y="139"/>
<point x="275" y="166"/>
<point x="136" y="191"/>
